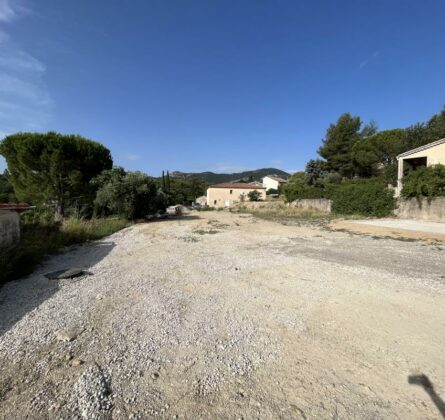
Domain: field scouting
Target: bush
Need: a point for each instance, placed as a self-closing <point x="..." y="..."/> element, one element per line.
<point x="131" y="195"/>
<point x="271" y="191"/>
<point x="41" y="237"/>
<point x="254" y="195"/>
<point x="425" y="182"/>
<point x="367" y="197"/>
<point x="299" y="190"/>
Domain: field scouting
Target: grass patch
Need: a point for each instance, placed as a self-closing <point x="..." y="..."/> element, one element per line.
<point x="41" y="239"/>
<point x="290" y="215"/>
<point x="206" y="232"/>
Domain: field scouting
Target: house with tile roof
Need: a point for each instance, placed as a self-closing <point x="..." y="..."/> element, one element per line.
<point x="228" y="194"/>
<point x="273" y="182"/>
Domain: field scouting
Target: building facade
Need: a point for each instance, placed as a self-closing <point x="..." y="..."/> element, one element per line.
<point x="229" y="193"/>
<point x="427" y="155"/>
<point x="273" y="182"/>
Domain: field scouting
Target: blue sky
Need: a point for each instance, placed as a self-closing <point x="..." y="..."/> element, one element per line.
<point x="217" y="85"/>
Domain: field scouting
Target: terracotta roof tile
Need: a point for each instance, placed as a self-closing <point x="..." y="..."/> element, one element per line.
<point x="237" y="185"/>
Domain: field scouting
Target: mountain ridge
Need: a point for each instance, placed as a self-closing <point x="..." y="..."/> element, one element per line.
<point x="215" y="178"/>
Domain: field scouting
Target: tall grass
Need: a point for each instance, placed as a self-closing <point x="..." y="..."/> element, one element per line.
<point x="42" y="237"/>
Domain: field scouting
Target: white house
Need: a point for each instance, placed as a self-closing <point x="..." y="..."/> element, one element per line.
<point x="273" y="182"/>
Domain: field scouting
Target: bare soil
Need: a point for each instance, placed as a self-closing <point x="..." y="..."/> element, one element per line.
<point x="220" y="315"/>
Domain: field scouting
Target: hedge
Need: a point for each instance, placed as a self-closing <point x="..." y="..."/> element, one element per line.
<point x="425" y="182"/>
<point x="367" y="197"/>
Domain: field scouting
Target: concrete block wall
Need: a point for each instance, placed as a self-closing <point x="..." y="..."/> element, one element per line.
<point x="321" y="204"/>
<point x="432" y="210"/>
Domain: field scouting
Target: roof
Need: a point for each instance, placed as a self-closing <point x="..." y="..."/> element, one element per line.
<point x="15" y="206"/>
<point x="419" y="149"/>
<point x="276" y="178"/>
<point x="237" y="185"/>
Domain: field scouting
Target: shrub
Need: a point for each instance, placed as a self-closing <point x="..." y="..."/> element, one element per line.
<point x="41" y="237"/>
<point x="271" y="191"/>
<point x="367" y="197"/>
<point x="425" y="182"/>
<point x="254" y="195"/>
<point x="299" y="190"/>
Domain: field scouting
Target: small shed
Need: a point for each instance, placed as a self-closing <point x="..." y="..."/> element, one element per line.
<point x="10" y="223"/>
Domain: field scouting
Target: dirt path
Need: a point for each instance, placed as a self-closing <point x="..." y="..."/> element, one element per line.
<point x="226" y="316"/>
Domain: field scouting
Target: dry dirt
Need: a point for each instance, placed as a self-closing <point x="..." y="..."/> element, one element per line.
<point x="219" y="315"/>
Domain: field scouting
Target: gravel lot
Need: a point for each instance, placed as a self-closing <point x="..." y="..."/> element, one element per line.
<point x="218" y="315"/>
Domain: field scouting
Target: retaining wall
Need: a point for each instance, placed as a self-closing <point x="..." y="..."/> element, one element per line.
<point x="432" y="210"/>
<point x="9" y="228"/>
<point x="321" y="204"/>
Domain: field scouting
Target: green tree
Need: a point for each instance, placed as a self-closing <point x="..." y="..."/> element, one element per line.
<point x="6" y="189"/>
<point x="53" y="168"/>
<point x="377" y="155"/>
<point x="129" y="194"/>
<point x="254" y="195"/>
<point x="423" y="133"/>
<point x="338" y="142"/>
<point x="315" y="171"/>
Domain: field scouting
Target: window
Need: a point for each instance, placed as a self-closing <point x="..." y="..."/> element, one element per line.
<point x="231" y="191"/>
<point x="214" y="201"/>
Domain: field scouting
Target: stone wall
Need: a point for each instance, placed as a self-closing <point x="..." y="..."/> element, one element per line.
<point x="321" y="204"/>
<point x="9" y="228"/>
<point x="432" y="210"/>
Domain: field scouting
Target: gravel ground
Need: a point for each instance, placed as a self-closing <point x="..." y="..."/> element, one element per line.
<point x="217" y="315"/>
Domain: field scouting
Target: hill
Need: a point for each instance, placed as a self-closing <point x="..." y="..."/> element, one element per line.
<point x="213" y="178"/>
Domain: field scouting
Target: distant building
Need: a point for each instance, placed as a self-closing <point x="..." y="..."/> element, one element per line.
<point x="229" y="193"/>
<point x="273" y="182"/>
<point x="427" y="155"/>
<point x="201" y="200"/>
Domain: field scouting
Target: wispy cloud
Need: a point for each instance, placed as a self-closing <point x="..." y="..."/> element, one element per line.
<point x="366" y="61"/>
<point x="25" y="103"/>
<point x="131" y="156"/>
<point x="7" y="11"/>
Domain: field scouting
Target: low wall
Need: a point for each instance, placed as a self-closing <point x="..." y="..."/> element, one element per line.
<point x="321" y="204"/>
<point x="432" y="210"/>
<point x="261" y="204"/>
<point x="9" y="228"/>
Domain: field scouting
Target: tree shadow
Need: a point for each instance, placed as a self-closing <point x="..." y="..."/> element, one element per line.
<point x="19" y="297"/>
<point x="423" y="381"/>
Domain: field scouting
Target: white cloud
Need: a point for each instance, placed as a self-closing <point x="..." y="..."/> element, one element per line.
<point x="7" y="11"/>
<point x="25" y="103"/>
<point x="131" y="156"/>
<point x="365" y="62"/>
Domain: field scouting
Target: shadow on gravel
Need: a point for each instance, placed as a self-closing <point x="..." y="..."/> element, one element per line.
<point x="19" y="297"/>
<point x="426" y="384"/>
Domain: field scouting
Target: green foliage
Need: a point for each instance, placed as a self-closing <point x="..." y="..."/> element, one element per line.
<point x="271" y="191"/>
<point x="53" y="168"/>
<point x="315" y="171"/>
<point x="6" y="189"/>
<point x="131" y="195"/>
<point x="368" y="197"/>
<point x="41" y="237"/>
<point x="425" y="182"/>
<point x="254" y="195"/>
<point x="374" y="154"/>
<point x="185" y="191"/>
<point x="423" y="133"/>
<point x="338" y="142"/>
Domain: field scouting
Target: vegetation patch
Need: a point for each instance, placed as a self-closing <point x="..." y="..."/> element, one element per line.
<point x="206" y="232"/>
<point x="40" y="239"/>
